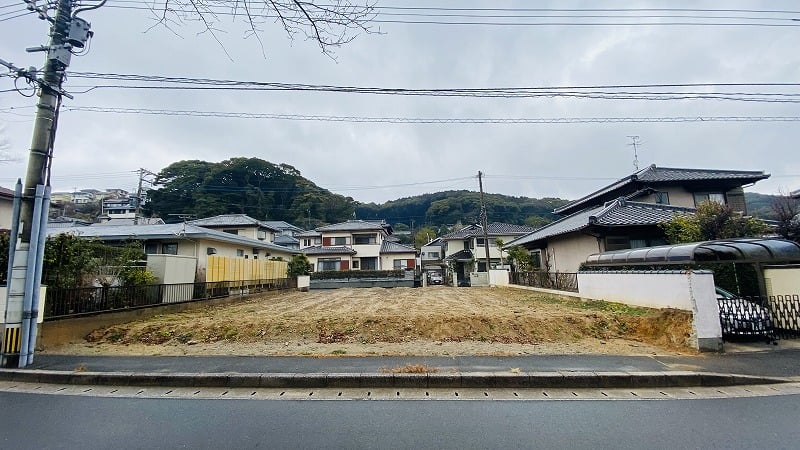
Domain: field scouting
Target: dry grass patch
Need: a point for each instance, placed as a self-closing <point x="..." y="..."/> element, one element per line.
<point x="360" y="319"/>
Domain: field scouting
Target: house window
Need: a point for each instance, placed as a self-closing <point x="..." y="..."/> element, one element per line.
<point x="479" y="242"/>
<point x="662" y="198"/>
<point x="239" y="252"/>
<point x="369" y="263"/>
<point x="355" y="264"/>
<point x="262" y="235"/>
<point x="481" y="266"/>
<point x="339" y="240"/>
<point x="638" y="243"/>
<point x="433" y="255"/>
<point x="700" y="197"/>
<point x="365" y="239"/>
<point x="328" y="264"/>
<point x="536" y="259"/>
<point x="399" y="264"/>
<point x="151" y="248"/>
<point x="617" y="243"/>
<point x="306" y="242"/>
<point x="169" y="249"/>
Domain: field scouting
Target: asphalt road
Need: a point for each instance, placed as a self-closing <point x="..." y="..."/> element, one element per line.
<point x="60" y="421"/>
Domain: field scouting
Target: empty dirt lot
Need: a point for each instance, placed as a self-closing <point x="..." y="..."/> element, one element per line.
<point x="400" y="321"/>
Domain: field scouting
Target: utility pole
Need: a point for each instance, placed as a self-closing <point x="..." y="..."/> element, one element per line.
<point x="19" y="327"/>
<point x="635" y="143"/>
<point x="483" y="220"/>
<point x="142" y="173"/>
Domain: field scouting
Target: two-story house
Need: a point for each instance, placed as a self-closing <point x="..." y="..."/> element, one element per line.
<point x="238" y="224"/>
<point x="627" y="213"/>
<point x="355" y="245"/>
<point x="464" y="250"/>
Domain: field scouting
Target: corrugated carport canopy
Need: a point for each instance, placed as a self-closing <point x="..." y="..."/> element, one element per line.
<point x="744" y="250"/>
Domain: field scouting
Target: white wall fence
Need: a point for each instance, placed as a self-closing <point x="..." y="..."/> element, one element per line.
<point x="686" y="290"/>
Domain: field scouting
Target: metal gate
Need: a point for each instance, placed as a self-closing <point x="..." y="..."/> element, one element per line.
<point x="773" y="317"/>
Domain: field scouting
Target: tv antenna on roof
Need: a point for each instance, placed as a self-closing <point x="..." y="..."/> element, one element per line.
<point x="635" y="143"/>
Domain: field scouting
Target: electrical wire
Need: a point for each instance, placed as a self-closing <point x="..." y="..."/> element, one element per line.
<point x="413" y="120"/>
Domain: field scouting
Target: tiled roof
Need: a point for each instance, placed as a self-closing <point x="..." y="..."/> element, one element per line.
<point x="119" y="222"/>
<point x="282" y="239"/>
<point x="494" y="229"/>
<point x="613" y="214"/>
<point x="6" y="192"/>
<point x="394" y="247"/>
<point x="167" y="231"/>
<point x="654" y="174"/>
<point x="320" y="250"/>
<point x="355" y="225"/>
<point x="460" y="256"/>
<point x="281" y="225"/>
<point x="224" y="220"/>
<point x="310" y="233"/>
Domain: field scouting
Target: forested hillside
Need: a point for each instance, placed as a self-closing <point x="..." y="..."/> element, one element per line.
<point x="249" y="186"/>
<point x="451" y="207"/>
<point x="268" y="191"/>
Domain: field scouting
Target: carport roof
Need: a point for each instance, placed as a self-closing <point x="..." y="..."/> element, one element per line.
<point x="744" y="250"/>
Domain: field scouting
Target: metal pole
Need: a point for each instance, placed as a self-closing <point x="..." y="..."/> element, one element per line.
<point x="483" y="221"/>
<point x="37" y="274"/>
<point x="30" y="283"/>
<point x="37" y="173"/>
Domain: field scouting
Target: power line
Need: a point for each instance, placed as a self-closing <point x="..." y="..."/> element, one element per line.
<point x="416" y="120"/>
<point x="644" y="92"/>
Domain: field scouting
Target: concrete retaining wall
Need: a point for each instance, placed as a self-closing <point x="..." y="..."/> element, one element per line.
<point x="687" y="290"/>
<point x="365" y="283"/>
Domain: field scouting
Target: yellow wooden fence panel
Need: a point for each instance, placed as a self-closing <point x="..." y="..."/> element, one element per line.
<point x="225" y="268"/>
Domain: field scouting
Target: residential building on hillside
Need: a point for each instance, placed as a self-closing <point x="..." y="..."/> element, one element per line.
<point x="355" y="245"/>
<point x="287" y="233"/>
<point x="240" y="225"/>
<point x="184" y="240"/>
<point x="119" y="208"/>
<point x="627" y="213"/>
<point x="464" y="250"/>
<point x="6" y="208"/>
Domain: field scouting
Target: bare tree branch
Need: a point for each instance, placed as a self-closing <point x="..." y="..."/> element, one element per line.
<point x="330" y="24"/>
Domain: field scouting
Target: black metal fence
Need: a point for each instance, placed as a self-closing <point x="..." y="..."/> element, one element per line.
<point x="560" y="281"/>
<point x="62" y="303"/>
<point x="772" y="317"/>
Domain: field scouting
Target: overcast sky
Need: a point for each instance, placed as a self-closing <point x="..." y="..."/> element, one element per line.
<point x="376" y="162"/>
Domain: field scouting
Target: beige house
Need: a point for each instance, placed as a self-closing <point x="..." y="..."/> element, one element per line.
<point x="464" y="251"/>
<point x="355" y="245"/>
<point x="6" y="203"/>
<point x="626" y="214"/>
<point x="184" y="240"/>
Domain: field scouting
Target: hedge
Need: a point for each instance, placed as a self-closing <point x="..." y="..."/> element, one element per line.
<point x="358" y="274"/>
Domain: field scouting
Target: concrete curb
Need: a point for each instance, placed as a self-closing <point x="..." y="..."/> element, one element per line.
<point x="564" y="379"/>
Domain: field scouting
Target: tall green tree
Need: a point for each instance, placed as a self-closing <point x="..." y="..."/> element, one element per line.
<point x="711" y="220"/>
<point x="251" y="186"/>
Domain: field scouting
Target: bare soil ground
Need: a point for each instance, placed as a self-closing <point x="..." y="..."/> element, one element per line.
<point x="400" y="321"/>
